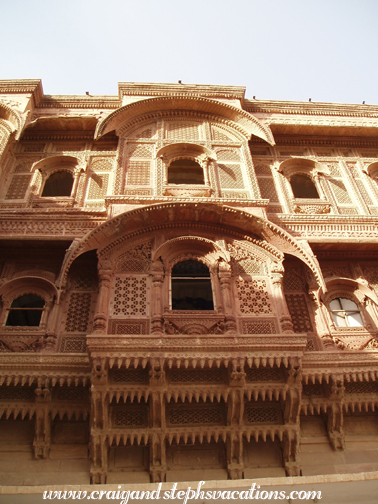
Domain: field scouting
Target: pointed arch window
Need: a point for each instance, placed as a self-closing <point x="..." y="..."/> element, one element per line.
<point x="303" y="187"/>
<point x="26" y="311"/>
<point x="191" y="287"/>
<point x="345" y="313"/>
<point x="185" y="171"/>
<point x="58" y="184"/>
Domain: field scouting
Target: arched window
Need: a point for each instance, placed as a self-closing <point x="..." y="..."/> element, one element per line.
<point x="58" y="184"/>
<point x="26" y="310"/>
<point x="191" y="286"/>
<point x="303" y="187"/>
<point x="185" y="171"/>
<point x="345" y="313"/>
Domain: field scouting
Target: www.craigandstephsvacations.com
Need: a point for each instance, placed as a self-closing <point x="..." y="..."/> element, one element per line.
<point x="125" y="496"/>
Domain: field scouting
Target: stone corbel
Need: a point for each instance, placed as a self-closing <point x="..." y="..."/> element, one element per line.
<point x="99" y="454"/>
<point x="290" y="449"/>
<point x="234" y="450"/>
<point x="158" y="463"/>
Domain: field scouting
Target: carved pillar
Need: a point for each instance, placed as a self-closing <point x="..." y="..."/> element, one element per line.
<point x="157" y="271"/>
<point x="225" y="284"/>
<point x="279" y="297"/>
<point x="235" y="413"/>
<point x="102" y="308"/>
<point x="42" y="437"/>
<point x="75" y="184"/>
<point x="52" y="310"/>
<point x="158" y="462"/>
<point x="99" y="446"/>
<point x="291" y="439"/>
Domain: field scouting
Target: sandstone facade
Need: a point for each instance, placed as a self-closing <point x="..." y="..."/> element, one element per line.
<point x="189" y="285"/>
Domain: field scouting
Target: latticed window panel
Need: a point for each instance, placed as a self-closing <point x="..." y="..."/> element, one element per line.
<point x="259" y="327"/>
<point x="196" y="376"/>
<point x="130" y="327"/>
<point x="228" y="155"/>
<point x="262" y="415"/>
<point x="365" y="195"/>
<point x="102" y="164"/>
<point x="361" y="388"/>
<point x="196" y="415"/>
<point x="71" y="344"/>
<point x="293" y="280"/>
<point x="348" y="210"/>
<point x="138" y="173"/>
<point x="23" y="168"/>
<point x="263" y="375"/>
<point x="71" y="394"/>
<point x="182" y="131"/>
<point x="34" y="147"/>
<point x="78" y="312"/>
<point x="298" y="309"/>
<point x="139" y="151"/>
<point x="146" y="133"/>
<point x="249" y="266"/>
<point x="253" y="297"/>
<point x="220" y="135"/>
<point x="98" y="186"/>
<point x="133" y="417"/>
<point x="262" y="169"/>
<point x="230" y="176"/>
<point x="340" y="192"/>
<point x="83" y="282"/>
<point x="16" y="394"/>
<point x="313" y="390"/>
<point x="130" y="296"/>
<point x="128" y="376"/>
<point x="334" y="170"/>
<point x="236" y="194"/>
<point x="267" y="188"/>
<point x="18" y="187"/>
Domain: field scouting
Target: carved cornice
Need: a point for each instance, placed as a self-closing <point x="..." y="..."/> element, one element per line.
<point x="317" y="228"/>
<point x="23" y="86"/>
<point x="149" y="200"/>
<point x="198" y="351"/>
<point x="208" y="91"/>
<point x="310" y="108"/>
<point x="43" y="369"/>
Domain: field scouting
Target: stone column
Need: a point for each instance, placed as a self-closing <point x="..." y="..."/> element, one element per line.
<point x="51" y="314"/>
<point x="279" y="297"/>
<point x="102" y="306"/>
<point x="75" y="184"/>
<point x="225" y="284"/>
<point x="157" y="271"/>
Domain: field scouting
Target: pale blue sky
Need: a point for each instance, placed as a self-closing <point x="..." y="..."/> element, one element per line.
<point x="278" y="49"/>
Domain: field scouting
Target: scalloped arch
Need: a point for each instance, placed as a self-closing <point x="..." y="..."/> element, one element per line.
<point x="11" y="117"/>
<point x="225" y="220"/>
<point x="241" y="120"/>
